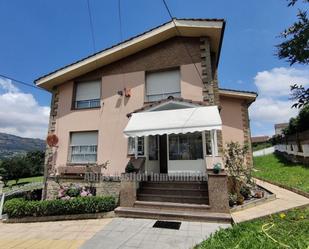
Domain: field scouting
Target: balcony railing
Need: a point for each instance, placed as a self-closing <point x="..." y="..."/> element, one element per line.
<point x="84" y="104"/>
<point x="83" y="153"/>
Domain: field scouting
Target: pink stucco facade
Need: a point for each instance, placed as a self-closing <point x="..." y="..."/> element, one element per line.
<point x="111" y="118"/>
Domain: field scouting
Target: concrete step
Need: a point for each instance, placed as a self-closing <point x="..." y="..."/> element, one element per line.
<point x="134" y="212"/>
<point x="176" y="184"/>
<point x="171" y="206"/>
<point x="173" y="198"/>
<point x="174" y="191"/>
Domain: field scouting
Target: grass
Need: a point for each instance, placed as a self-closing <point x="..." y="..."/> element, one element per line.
<point x="24" y="181"/>
<point x="289" y="230"/>
<point x="275" y="169"/>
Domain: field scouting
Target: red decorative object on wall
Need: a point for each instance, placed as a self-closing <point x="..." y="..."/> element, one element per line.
<point x="52" y="140"/>
<point x="127" y="92"/>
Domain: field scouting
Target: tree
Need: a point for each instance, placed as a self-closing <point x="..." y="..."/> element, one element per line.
<point x="295" y="49"/>
<point x="35" y="159"/>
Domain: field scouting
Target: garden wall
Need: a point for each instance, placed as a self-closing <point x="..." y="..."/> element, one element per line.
<point x="295" y="148"/>
<point x="103" y="188"/>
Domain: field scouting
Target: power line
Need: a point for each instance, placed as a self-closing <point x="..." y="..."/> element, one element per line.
<point x="188" y="52"/>
<point x="21" y="82"/>
<point x="120" y="20"/>
<point x="91" y="26"/>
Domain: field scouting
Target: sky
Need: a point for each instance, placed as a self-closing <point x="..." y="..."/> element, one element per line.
<point x="40" y="36"/>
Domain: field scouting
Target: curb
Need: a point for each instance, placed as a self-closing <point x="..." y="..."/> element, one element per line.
<point x="296" y="191"/>
<point x="110" y="214"/>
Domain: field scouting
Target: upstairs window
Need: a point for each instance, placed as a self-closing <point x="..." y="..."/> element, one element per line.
<point x="83" y="147"/>
<point x="161" y="85"/>
<point x="87" y="94"/>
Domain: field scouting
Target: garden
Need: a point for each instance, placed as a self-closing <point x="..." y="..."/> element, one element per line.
<point x="72" y="199"/>
<point x="278" y="170"/>
<point x="283" y="230"/>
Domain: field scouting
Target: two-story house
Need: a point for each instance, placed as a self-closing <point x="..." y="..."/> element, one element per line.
<point x="153" y="100"/>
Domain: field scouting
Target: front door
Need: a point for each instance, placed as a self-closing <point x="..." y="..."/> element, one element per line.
<point x="163" y="153"/>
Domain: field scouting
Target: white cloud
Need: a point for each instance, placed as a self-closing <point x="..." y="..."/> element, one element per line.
<point x="20" y="113"/>
<point x="273" y="104"/>
<point x="277" y="82"/>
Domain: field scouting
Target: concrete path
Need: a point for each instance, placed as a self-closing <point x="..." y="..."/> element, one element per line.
<point x="43" y="235"/>
<point x="139" y="233"/>
<point x="285" y="200"/>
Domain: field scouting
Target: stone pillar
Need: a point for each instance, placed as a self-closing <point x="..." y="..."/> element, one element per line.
<point x="217" y="183"/>
<point x="210" y="81"/>
<point x="247" y="135"/>
<point x="218" y="192"/>
<point x="128" y="190"/>
<point x="48" y="164"/>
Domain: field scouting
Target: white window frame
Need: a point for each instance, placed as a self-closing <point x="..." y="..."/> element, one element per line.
<point x="164" y="94"/>
<point x="86" y="150"/>
<point x="94" y="102"/>
<point x="133" y="146"/>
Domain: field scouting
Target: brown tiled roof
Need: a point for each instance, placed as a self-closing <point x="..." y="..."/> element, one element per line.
<point x="281" y="125"/>
<point x="178" y="99"/>
<point x="149" y="105"/>
<point x="259" y="139"/>
<point x="131" y="38"/>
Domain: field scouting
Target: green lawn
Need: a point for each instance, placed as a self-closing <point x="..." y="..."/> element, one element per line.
<point x="27" y="180"/>
<point x="278" y="170"/>
<point x="277" y="231"/>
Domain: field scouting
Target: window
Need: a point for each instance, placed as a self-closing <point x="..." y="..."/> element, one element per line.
<point x="140" y="146"/>
<point x="153" y="147"/>
<point x="83" y="147"/>
<point x="161" y="85"/>
<point x="87" y="94"/>
<point x="208" y="143"/>
<point x="185" y="146"/>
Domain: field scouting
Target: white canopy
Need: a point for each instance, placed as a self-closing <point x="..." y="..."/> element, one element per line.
<point x="173" y="121"/>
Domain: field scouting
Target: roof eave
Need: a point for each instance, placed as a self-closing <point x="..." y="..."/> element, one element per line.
<point x="186" y="27"/>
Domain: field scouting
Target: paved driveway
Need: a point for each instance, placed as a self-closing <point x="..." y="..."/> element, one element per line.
<point x="139" y="233"/>
<point x="53" y="235"/>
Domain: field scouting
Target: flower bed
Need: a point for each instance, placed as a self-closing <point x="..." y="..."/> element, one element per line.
<point x="17" y="208"/>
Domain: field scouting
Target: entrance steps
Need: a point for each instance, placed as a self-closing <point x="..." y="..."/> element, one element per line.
<point x="172" y="211"/>
<point x="173" y="201"/>
<point x="177" y="192"/>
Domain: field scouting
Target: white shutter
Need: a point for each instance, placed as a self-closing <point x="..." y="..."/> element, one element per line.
<point x="88" y="90"/>
<point x="162" y="84"/>
<point x="84" y="138"/>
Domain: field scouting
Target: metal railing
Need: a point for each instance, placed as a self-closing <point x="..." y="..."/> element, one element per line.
<point x="90" y="103"/>
<point x="83" y="153"/>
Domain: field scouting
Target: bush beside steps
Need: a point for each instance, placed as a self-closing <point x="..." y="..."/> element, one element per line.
<point x="18" y="208"/>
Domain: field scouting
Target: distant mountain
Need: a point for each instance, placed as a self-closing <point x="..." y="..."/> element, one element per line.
<point x="11" y="145"/>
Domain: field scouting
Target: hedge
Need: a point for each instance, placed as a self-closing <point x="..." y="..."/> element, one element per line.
<point x="17" y="208"/>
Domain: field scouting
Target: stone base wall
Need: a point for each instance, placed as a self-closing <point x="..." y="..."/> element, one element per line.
<point x="103" y="188"/>
<point x="218" y="192"/>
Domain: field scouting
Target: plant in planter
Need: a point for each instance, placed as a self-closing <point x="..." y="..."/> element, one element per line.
<point x="240" y="177"/>
<point x="130" y="168"/>
<point x="217" y="168"/>
<point x="73" y="191"/>
<point x="232" y="199"/>
<point x="245" y="191"/>
<point x="240" y="199"/>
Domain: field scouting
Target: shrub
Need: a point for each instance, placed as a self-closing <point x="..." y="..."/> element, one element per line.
<point x="130" y="168"/>
<point x="17" y="208"/>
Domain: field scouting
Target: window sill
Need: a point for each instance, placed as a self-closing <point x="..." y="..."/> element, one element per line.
<point x="88" y="108"/>
<point x="81" y="164"/>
